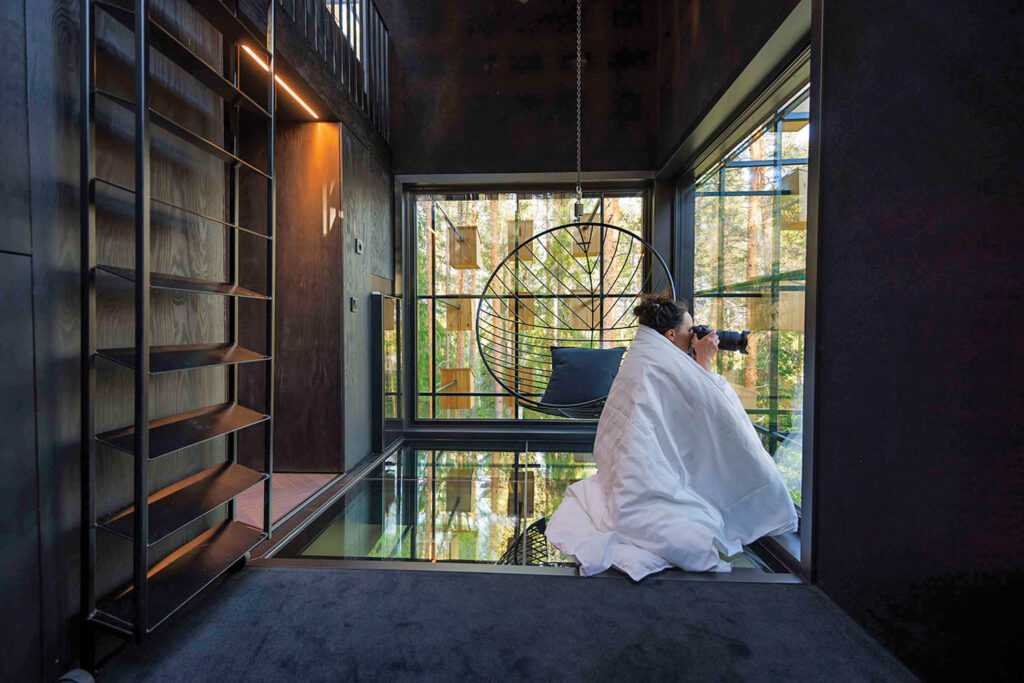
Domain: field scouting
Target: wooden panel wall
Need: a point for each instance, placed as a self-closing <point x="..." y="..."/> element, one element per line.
<point x="490" y="87"/>
<point x="181" y="175"/>
<point x="702" y="47"/>
<point x="368" y="219"/>
<point x="308" y="372"/>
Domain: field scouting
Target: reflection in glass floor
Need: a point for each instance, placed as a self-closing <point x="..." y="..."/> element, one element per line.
<point x="453" y="506"/>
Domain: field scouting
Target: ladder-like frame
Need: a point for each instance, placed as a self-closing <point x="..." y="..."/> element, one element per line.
<point x="156" y="593"/>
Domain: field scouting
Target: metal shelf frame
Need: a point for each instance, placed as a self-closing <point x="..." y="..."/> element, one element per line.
<point x="156" y="592"/>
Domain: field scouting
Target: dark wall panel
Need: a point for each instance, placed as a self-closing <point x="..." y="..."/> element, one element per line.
<point x="308" y="410"/>
<point x="919" y="411"/>
<point x="480" y="87"/>
<point x="368" y="219"/>
<point x="14" y="195"/>
<point x="19" y="495"/>
<point x="703" y="45"/>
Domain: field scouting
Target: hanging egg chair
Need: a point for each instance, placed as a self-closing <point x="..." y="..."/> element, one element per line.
<point x="556" y="315"/>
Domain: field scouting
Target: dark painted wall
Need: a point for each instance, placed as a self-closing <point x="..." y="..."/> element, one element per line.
<point x="19" y="495"/>
<point x="920" y="411"/>
<point x="367" y="201"/>
<point x="483" y="87"/>
<point x="703" y="45"/>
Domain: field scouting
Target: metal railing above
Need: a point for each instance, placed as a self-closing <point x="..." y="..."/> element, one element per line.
<point x="353" y="42"/>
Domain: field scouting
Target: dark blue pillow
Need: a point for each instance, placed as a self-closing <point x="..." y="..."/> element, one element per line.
<point x="581" y="375"/>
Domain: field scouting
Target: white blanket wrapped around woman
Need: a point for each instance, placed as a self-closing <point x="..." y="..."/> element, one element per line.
<point x="681" y="473"/>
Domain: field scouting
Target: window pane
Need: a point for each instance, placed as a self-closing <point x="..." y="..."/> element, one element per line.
<point x="461" y="239"/>
<point x="750" y="255"/>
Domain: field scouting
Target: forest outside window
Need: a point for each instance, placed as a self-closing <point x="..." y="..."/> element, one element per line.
<point x="460" y="239"/>
<point x="750" y="256"/>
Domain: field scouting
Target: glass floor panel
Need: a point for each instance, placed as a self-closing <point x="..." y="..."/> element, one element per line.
<point x="483" y="507"/>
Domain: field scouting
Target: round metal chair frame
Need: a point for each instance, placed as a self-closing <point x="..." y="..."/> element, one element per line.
<point x="588" y="409"/>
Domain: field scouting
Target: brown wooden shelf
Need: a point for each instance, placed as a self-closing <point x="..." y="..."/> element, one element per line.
<point x="180" y="54"/>
<point x="175" y="506"/>
<point x="182" y="132"/>
<point x="188" y="357"/>
<point x="175" y="207"/>
<point x="185" y="573"/>
<point x="175" y="432"/>
<point x="185" y="284"/>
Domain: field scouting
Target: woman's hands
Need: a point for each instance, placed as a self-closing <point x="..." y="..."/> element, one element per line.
<point x="705" y="348"/>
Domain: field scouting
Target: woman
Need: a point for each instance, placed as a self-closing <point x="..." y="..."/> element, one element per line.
<point x="682" y="476"/>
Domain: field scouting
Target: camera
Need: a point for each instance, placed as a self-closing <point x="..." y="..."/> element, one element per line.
<point x="727" y="340"/>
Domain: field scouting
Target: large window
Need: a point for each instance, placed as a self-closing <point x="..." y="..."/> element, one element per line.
<point x="750" y="255"/>
<point x="460" y="239"/>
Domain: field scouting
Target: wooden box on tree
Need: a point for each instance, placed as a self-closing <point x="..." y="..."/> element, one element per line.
<point x="464" y="254"/>
<point x="587" y="242"/>
<point x="520" y="232"/>
<point x="463" y="383"/>
<point x="459" y="315"/>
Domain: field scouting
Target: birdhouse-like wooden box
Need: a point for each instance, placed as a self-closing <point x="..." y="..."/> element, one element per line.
<point x="520" y="232"/>
<point x="793" y="125"/>
<point x="523" y="483"/>
<point x="459" y="315"/>
<point x="389" y="314"/>
<point x="583" y="313"/>
<point x="791" y="312"/>
<point x="796" y="183"/>
<point x="524" y="312"/>
<point x="464" y="254"/>
<point x="459" y="490"/>
<point x="586" y="241"/>
<point x="463" y="378"/>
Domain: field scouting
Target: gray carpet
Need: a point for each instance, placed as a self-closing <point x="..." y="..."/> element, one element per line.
<point x="278" y="624"/>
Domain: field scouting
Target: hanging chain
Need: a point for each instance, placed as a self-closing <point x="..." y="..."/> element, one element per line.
<point x="579" y="107"/>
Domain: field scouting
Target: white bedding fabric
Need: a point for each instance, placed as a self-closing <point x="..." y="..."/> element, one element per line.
<point x="681" y="474"/>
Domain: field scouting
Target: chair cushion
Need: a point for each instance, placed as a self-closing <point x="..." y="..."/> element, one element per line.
<point x="579" y="375"/>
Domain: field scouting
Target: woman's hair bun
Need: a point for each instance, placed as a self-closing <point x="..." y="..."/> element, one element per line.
<point x="660" y="312"/>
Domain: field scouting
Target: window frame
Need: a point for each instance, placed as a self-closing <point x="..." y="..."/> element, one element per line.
<point x="407" y="190"/>
<point x="799" y="68"/>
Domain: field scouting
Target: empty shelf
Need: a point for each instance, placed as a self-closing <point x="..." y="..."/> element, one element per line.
<point x="173" y="508"/>
<point x="185" y="284"/>
<point x="182" y="132"/>
<point x="175" y="207"/>
<point x="172" y="433"/>
<point x="185" y="573"/>
<point x="175" y="358"/>
<point x="180" y="54"/>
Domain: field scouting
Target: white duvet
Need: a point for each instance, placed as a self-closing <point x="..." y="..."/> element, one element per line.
<point x="681" y="474"/>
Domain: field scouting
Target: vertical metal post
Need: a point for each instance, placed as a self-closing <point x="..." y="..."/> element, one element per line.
<point x="773" y="348"/>
<point x="232" y="122"/>
<point x="365" y="52"/>
<point x="268" y="432"/>
<point x="88" y="340"/>
<point x="142" y="267"/>
<point x="433" y="312"/>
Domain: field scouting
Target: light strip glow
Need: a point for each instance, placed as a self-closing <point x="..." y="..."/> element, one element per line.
<point x="279" y="81"/>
